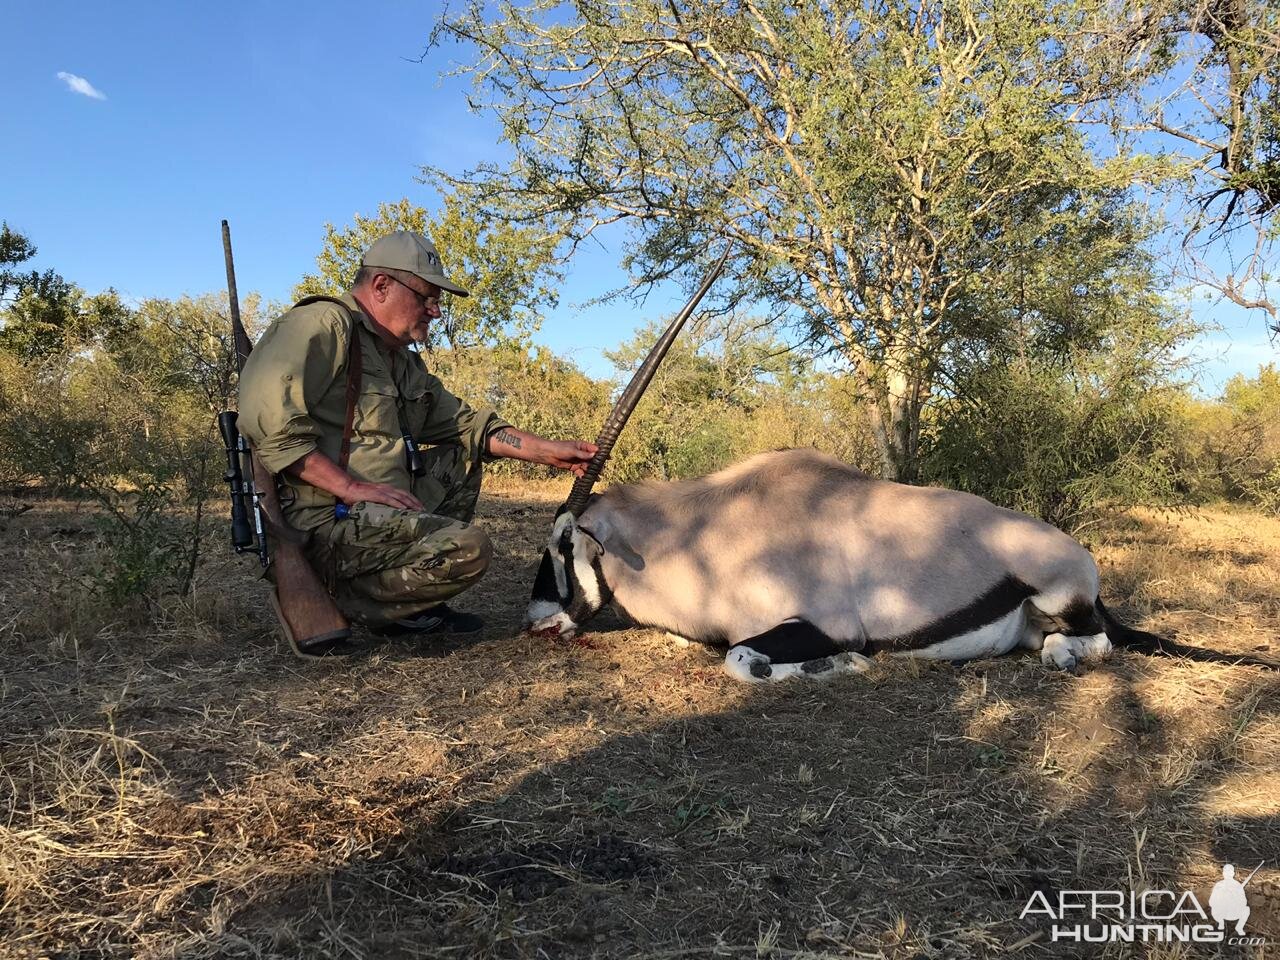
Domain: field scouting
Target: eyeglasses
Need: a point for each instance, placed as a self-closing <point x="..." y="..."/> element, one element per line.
<point x="424" y="301"/>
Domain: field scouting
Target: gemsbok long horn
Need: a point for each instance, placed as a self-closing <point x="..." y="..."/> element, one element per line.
<point x="621" y="412"/>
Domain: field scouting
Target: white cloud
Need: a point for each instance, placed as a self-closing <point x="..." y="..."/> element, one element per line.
<point x="81" y="85"/>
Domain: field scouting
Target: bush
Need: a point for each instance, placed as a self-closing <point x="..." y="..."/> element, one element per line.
<point x="531" y="387"/>
<point x="129" y="426"/>
<point x="1233" y="446"/>
<point x="1036" y="438"/>
<point x="728" y="390"/>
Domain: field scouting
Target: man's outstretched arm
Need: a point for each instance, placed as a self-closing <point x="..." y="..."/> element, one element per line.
<point x="571" y="455"/>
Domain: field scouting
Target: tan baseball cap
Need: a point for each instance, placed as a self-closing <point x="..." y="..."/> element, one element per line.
<point x="413" y="253"/>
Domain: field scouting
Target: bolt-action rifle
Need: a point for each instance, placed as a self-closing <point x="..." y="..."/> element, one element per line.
<point x="307" y="613"/>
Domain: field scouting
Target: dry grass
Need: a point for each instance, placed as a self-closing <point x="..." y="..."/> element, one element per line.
<point x="173" y="784"/>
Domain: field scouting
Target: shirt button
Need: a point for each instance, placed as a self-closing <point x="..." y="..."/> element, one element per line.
<point x="288" y="376"/>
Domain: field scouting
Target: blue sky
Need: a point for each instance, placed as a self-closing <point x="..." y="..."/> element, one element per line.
<point x="278" y="117"/>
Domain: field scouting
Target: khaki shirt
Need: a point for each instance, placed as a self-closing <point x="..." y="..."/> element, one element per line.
<point x="293" y="399"/>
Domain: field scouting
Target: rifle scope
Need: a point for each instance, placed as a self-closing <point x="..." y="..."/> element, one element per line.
<point x="241" y="529"/>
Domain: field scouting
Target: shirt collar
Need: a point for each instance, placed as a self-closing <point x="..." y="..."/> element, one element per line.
<point x="359" y="314"/>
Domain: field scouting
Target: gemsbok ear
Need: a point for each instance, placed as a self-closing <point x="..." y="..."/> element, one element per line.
<point x="562" y="531"/>
<point x="588" y="545"/>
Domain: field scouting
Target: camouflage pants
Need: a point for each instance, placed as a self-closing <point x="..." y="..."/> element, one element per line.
<point x="384" y="564"/>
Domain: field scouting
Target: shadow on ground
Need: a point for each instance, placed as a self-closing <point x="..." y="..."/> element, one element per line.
<point x="909" y="814"/>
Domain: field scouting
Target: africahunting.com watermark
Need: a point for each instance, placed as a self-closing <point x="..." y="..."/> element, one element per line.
<point x="1149" y="916"/>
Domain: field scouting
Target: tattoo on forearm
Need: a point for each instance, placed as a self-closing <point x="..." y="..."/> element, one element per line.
<point x="507" y="437"/>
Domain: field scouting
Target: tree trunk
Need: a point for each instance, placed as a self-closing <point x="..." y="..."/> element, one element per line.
<point x="893" y="401"/>
<point x="894" y="416"/>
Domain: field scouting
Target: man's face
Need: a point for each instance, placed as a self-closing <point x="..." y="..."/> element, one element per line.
<point x="408" y="309"/>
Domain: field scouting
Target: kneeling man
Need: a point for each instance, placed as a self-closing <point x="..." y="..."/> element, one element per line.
<point x="379" y="463"/>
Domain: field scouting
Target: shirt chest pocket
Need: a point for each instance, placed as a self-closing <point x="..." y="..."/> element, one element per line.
<point x="417" y="405"/>
<point x="376" y="413"/>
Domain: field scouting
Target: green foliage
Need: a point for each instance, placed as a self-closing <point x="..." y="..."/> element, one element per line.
<point x="531" y="387"/>
<point x="184" y="347"/>
<point x="1233" y="445"/>
<point x="1065" y="444"/>
<point x="693" y="418"/>
<point x="43" y="316"/>
<point x="872" y="163"/>
<point x="1196" y="103"/>
<point x="726" y="391"/>
<point x="128" y="423"/>
<point x="507" y="270"/>
<point x="147" y="550"/>
<point x="75" y="427"/>
<point x="50" y="317"/>
<point x="14" y="249"/>
<point x="1061" y="397"/>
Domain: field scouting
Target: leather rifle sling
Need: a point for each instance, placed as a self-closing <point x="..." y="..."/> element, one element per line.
<point x="355" y="370"/>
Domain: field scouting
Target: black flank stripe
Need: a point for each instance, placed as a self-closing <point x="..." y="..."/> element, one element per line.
<point x="793" y="642"/>
<point x="1004" y="597"/>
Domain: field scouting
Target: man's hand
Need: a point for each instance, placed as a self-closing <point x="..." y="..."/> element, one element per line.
<point x="361" y="492"/>
<point x="571" y="455"/>
<point x="319" y="471"/>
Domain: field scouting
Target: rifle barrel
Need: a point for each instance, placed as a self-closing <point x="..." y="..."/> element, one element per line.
<point x="237" y="327"/>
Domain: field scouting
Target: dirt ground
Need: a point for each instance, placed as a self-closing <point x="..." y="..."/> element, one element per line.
<point x="174" y="784"/>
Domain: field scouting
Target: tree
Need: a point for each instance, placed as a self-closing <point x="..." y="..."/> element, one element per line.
<point x="1235" y="440"/>
<point x="14" y="249"/>
<point x="185" y="347"/>
<point x="46" y="316"/>
<point x="128" y="422"/>
<point x="50" y="318"/>
<point x="695" y="416"/>
<point x="729" y="389"/>
<point x="867" y="159"/>
<point x="507" y="270"/>
<point x="1193" y="88"/>
<point x="1066" y="404"/>
<point x="534" y="388"/>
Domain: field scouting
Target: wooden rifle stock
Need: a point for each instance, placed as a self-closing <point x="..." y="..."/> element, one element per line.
<point x="307" y="613"/>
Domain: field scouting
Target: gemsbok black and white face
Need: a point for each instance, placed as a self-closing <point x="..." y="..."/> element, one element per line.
<point x="569" y="589"/>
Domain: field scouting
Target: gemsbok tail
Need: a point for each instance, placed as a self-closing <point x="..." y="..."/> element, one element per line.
<point x="1155" y="646"/>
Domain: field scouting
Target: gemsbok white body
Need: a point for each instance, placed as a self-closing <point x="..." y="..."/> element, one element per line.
<point x="803" y="565"/>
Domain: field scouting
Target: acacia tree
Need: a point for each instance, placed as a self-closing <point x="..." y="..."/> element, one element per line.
<point x="866" y="158"/>
<point x="1195" y="85"/>
<point x="509" y="271"/>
